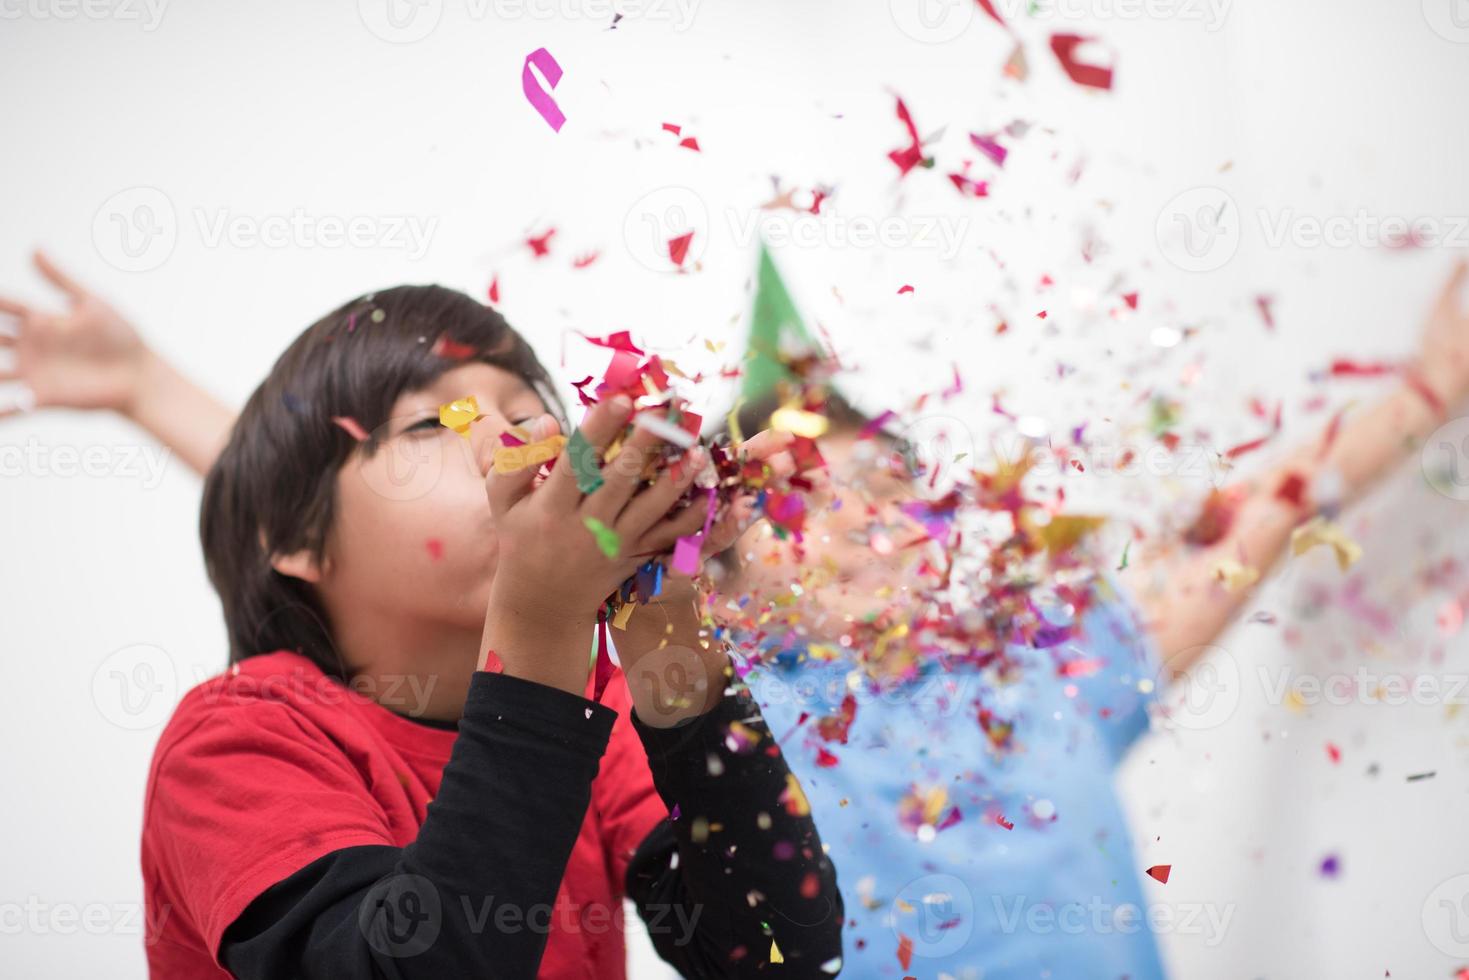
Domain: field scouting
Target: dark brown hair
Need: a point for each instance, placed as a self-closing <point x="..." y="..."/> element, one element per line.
<point x="273" y="488"/>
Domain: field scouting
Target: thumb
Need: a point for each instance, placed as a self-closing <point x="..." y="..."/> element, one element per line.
<point x="511" y="477"/>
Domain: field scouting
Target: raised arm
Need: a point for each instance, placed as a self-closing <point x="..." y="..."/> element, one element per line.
<point x="88" y="356"/>
<point x="1186" y="606"/>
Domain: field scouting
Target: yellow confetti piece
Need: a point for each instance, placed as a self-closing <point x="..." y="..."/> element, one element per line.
<point x="1320" y="531"/>
<point x="513" y="459"/>
<point x="1064" y="531"/>
<point x="1235" y="576"/>
<point x="775" y="956"/>
<point x="623" y="614"/>
<point x="732" y="422"/>
<point x="459" y="414"/>
<point x="794" y="797"/>
<point x="799" y="422"/>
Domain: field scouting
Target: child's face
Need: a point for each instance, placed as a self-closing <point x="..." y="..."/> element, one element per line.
<point x="412" y="535"/>
<point x="853" y="537"/>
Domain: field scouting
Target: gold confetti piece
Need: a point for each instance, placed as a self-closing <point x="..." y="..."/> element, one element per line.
<point x="794" y="797"/>
<point x="1063" y="531"/>
<point x="513" y="459"/>
<point x="775" y="956"/>
<point x="732" y="422"/>
<point x="623" y="614"/>
<point x="799" y="422"/>
<point x="1320" y="531"/>
<point x="1235" y="576"/>
<point x="459" y="414"/>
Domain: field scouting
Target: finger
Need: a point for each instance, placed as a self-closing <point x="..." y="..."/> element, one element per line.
<point x="623" y="475"/>
<point x="505" y="490"/>
<point x="727" y="530"/>
<point x="57" y="278"/>
<point x="764" y="443"/>
<point x="654" y="503"/>
<point x="1451" y="299"/>
<point x="13" y="308"/>
<point x="661" y="537"/>
<point x="584" y="455"/>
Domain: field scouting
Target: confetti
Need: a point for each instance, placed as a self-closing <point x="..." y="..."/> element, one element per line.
<point x="584" y="463"/>
<point x="351" y="426"/>
<point x="1092" y="76"/>
<point x="1160" y="872"/>
<point x="460" y="414"/>
<point x="1321" y="531"/>
<point x="678" y="248"/>
<point x="513" y="459"/>
<point x="538" y="97"/>
<point x="607" y="539"/>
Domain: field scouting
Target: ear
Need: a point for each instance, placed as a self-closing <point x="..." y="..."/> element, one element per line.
<point x="299" y="564"/>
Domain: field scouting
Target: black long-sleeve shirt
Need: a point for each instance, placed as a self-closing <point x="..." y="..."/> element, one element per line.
<point x="737" y="880"/>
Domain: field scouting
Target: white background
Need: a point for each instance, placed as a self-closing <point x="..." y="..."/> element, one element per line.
<point x="1299" y="111"/>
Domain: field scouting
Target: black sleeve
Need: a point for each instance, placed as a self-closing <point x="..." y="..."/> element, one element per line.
<point x="499" y="834"/>
<point x="737" y="885"/>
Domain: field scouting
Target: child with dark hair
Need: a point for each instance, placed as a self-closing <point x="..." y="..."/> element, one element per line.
<point x="404" y="772"/>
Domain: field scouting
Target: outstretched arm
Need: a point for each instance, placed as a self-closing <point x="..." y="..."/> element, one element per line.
<point x="1182" y="598"/>
<point x="89" y="357"/>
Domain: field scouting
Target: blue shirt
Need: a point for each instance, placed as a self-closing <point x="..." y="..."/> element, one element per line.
<point x="1058" y="896"/>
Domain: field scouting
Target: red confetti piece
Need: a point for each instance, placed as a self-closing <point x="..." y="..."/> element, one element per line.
<point x="911" y="155"/>
<point x="1333" y="753"/>
<point x="1346" y="368"/>
<point x="585" y="259"/>
<point x="678" y="248"/>
<point x="1130" y="299"/>
<point x="351" y="427"/>
<point x="1160" y="872"/>
<point x="825" y="759"/>
<point x="1292" y="489"/>
<point x="1007" y="824"/>
<point x="495" y="290"/>
<point x="1262" y="303"/>
<point x="905" y="951"/>
<point x="1092" y="76"/>
<point x="810" y="885"/>
<point x="689" y="143"/>
<point x="435" y="548"/>
<point x="541" y="247"/>
<point x="904" y="289"/>
<point x="988" y="7"/>
<point x="621" y="340"/>
<point x="452" y="350"/>
<point x="973" y="188"/>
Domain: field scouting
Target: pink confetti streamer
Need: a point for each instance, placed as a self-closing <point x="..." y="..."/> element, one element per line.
<point x="538" y="97"/>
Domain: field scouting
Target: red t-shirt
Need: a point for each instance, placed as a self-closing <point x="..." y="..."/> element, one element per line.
<point x="272" y="765"/>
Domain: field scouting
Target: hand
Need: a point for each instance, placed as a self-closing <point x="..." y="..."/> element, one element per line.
<point x="551" y="574"/>
<point x="1444" y="363"/>
<point x="85" y="357"/>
